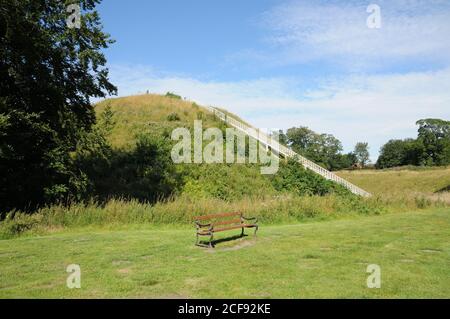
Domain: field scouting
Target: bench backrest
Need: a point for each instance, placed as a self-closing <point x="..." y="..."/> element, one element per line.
<point x="214" y="217"/>
<point x="230" y="219"/>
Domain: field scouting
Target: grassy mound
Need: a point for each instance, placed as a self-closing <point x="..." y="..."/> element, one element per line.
<point x="150" y="112"/>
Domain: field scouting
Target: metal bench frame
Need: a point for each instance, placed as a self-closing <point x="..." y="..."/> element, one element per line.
<point x="209" y="229"/>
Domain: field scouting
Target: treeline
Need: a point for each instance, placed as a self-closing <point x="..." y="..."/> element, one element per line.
<point x="324" y="149"/>
<point x="430" y="148"/>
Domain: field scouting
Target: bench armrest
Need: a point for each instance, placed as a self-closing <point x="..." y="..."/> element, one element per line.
<point x="250" y="218"/>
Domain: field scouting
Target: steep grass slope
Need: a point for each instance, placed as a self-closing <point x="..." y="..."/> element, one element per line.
<point x="140" y="113"/>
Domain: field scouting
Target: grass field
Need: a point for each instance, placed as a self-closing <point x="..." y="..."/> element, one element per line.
<point x="319" y="259"/>
<point x="406" y="181"/>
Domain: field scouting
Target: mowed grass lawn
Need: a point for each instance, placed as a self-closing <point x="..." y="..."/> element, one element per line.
<point x="317" y="259"/>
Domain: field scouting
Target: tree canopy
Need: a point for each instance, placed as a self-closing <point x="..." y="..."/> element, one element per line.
<point x="362" y="153"/>
<point x="323" y="149"/>
<point x="430" y="148"/>
<point x="434" y="134"/>
<point x="49" y="72"/>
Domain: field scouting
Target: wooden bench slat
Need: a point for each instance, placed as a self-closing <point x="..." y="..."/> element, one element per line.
<point x="227" y="222"/>
<point x="216" y="230"/>
<point x="213" y="216"/>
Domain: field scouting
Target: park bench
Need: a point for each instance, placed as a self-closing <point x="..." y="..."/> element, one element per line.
<point x="208" y="225"/>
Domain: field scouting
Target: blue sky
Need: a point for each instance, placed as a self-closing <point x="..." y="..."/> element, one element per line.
<point x="280" y="64"/>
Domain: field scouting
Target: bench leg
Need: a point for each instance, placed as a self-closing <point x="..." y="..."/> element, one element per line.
<point x="242" y="232"/>
<point x="256" y="229"/>
<point x="210" y="240"/>
<point x="196" y="241"/>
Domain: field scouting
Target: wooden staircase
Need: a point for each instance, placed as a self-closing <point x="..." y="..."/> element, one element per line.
<point x="285" y="151"/>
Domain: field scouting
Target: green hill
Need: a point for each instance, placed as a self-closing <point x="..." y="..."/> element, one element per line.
<point x="151" y="112"/>
<point x="156" y="116"/>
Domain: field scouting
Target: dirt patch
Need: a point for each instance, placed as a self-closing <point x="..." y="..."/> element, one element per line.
<point x="124" y="271"/>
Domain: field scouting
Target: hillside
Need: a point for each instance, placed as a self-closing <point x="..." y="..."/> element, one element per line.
<point x="158" y="115"/>
<point x="141" y="113"/>
<point x="151" y="113"/>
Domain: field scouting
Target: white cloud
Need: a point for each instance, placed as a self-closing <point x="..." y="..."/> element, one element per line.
<point x="304" y="31"/>
<point x="353" y="108"/>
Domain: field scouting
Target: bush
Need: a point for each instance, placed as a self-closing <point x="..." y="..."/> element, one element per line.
<point x="226" y="181"/>
<point x="292" y="177"/>
<point x="173" y="117"/>
<point x="173" y="96"/>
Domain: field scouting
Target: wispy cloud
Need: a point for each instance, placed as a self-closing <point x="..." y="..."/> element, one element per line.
<point x="336" y="31"/>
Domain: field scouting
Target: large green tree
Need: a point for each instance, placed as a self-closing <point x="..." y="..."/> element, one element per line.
<point x="432" y="146"/>
<point x="49" y="71"/>
<point x="434" y="134"/>
<point x="400" y="152"/>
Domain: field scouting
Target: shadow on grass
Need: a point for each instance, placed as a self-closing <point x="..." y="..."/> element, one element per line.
<point x="223" y="240"/>
<point x="443" y="189"/>
<point x="227" y="239"/>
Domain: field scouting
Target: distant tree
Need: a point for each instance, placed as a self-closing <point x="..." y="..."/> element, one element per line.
<point x="362" y="153"/>
<point x="344" y="161"/>
<point x="434" y="134"/>
<point x="48" y="73"/>
<point x="323" y="149"/>
<point x="400" y="152"/>
<point x="300" y="138"/>
<point x="330" y="148"/>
